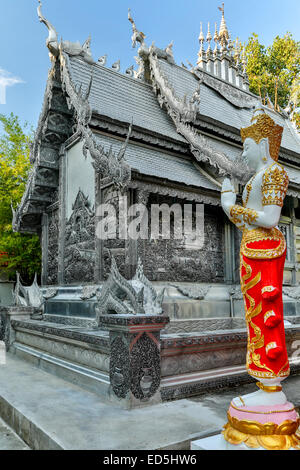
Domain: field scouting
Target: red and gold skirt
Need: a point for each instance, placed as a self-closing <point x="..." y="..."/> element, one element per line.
<point x="263" y="253"/>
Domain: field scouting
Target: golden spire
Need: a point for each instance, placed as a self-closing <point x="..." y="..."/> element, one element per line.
<point x="201" y="40"/>
<point x="223" y="33"/>
<point x="244" y="60"/>
<point x="216" y="39"/>
<point x="237" y="53"/>
<point x="208" y="39"/>
<point x="201" y="35"/>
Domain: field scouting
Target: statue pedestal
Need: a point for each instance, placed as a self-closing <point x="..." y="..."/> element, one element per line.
<point x="264" y="426"/>
<point x="273" y="426"/>
<point x="218" y="443"/>
<point x="135" y="366"/>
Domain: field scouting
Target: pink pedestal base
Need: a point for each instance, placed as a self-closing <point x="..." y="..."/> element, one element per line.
<point x="273" y="427"/>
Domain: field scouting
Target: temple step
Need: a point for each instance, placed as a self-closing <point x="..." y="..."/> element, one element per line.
<point x="79" y="355"/>
<point x="55" y="414"/>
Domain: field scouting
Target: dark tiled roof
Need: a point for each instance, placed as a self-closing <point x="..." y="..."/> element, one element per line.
<point x="122" y="98"/>
<point x="156" y="163"/>
<point x="214" y="106"/>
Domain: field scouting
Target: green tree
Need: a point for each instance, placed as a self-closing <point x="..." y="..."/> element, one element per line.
<point x="274" y="71"/>
<point x="23" y="252"/>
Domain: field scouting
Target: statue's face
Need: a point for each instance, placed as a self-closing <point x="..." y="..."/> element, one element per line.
<point x="251" y="153"/>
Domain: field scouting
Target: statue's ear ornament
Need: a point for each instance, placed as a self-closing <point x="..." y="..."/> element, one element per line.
<point x="264" y="127"/>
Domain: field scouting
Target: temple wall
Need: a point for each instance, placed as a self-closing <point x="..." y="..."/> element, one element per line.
<point x="79" y="230"/>
<point x="79" y="175"/>
<point x="176" y="260"/>
<point x="53" y="235"/>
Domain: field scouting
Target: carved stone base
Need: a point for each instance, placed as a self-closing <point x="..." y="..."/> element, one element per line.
<point x="135" y="366"/>
<point x="7" y="314"/>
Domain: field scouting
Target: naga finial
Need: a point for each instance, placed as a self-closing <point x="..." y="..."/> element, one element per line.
<point x="137" y="36"/>
<point x="52" y="40"/>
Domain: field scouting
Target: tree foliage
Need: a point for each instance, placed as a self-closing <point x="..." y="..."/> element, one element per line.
<point x="23" y="251"/>
<point x="274" y="72"/>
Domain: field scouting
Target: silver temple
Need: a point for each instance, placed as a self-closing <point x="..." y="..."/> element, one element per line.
<point x="160" y="133"/>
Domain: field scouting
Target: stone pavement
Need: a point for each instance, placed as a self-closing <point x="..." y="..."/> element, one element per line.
<point x="50" y="413"/>
<point x="9" y="440"/>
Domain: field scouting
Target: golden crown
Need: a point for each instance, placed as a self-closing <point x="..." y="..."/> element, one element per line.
<point x="264" y="127"/>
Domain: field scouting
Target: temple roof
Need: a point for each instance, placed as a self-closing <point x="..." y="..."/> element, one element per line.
<point x="217" y="108"/>
<point x="159" y="164"/>
<point x="122" y="98"/>
<point x="191" y="118"/>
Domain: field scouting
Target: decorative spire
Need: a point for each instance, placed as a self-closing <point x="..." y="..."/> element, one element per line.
<point x="201" y="35"/>
<point x="237" y="53"/>
<point x="208" y="39"/>
<point x="216" y="39"/>
<point x="223" y="33"/>
<point x="201" y="50"/>
<point x="244" y="61"/>
<point x="169" y="49"/>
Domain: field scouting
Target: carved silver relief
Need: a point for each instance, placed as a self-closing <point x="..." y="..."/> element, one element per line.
<point x="80" y="241"/>
<point x="49" y="293"/>
<point x="52" y="252"/>
<point x="88" y="292"/>
<point x="192" y="292"/>
<point x="107" y="163"/>
<point x="28" y="296"/>
<point x="71" y="48"/>
<point x="120" y="296"/>
<point x="183" y="113"/>
<point x="233" y="95"/>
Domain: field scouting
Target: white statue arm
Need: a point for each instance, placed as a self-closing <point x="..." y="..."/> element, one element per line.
<point x="270" y="197"/>
<point x="247" y="218"/>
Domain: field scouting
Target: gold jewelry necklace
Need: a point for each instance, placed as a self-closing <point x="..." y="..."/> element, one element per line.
<point x="248" y="188"/>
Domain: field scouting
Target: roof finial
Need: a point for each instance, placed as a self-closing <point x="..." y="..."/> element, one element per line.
<point x="237" y="52"/>
<point x="244" y="61"/>
<point x="201" y="40"/>
<point x="137" y="36"/>
<point x="208" y="39"/>
<point x="201" y="35"/>
<point x="52" y="40"/>
<point x="223" y="33"/>
<point x="216" y="39"/>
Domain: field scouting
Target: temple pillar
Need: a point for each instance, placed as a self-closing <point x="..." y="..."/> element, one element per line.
<point x="135" y="364"/>
<point x="233" y="75"/>
<point x="225" y="68"/>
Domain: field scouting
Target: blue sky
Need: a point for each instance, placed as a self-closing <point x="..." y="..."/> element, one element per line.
<point x="24" y="58"/>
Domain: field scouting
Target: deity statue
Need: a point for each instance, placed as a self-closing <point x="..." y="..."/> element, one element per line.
<point x="264" y="418"/>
